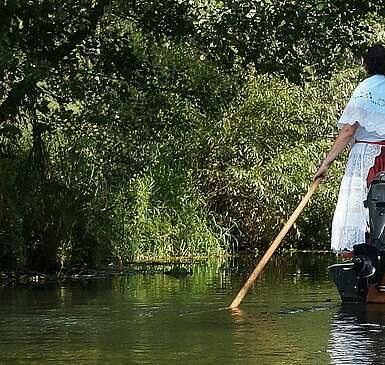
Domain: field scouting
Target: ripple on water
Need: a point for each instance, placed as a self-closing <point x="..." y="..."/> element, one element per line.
<point x="357" y="335"/>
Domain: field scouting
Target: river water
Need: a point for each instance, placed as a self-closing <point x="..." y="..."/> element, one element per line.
<point x="292" y="315"/>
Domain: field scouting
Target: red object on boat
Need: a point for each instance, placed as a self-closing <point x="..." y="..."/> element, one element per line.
<point x="347" y="255"/>
<point x="379" y="166"/>
<point x="379" y="162"/>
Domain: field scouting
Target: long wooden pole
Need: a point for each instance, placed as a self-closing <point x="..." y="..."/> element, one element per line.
<point x="238" y="299"/>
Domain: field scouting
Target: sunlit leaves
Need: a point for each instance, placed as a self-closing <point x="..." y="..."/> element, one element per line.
<point x="158" y="127"/>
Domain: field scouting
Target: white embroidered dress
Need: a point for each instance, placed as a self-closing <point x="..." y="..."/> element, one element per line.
<point x="367" y="107"/>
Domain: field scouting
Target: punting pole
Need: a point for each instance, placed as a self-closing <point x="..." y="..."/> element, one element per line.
<point x="238" y="299"/>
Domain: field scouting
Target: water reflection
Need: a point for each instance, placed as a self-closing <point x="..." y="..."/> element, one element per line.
<point x="357" y="335"/>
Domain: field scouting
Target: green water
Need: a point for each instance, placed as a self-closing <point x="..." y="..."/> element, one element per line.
<point x="292" y="315"/>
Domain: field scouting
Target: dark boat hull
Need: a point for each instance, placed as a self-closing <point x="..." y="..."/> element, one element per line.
<point x="353" y="288"/>
<point x="349" y="285"/>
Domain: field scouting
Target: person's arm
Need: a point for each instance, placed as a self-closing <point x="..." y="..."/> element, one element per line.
<point x="341" y="141"/>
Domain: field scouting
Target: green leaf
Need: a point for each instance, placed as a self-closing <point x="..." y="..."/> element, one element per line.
<point x="53" y="105"/>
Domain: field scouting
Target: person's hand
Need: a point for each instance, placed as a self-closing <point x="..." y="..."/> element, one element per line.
<point x="321" y="173"/>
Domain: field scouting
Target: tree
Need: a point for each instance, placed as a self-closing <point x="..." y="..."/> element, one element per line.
<point x="120" y="127"/>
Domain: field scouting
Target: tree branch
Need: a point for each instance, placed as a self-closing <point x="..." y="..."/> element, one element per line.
<point x="9" y="107"/>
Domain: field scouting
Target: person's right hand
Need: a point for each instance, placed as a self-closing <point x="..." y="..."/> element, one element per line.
<point x="321" y="173"/>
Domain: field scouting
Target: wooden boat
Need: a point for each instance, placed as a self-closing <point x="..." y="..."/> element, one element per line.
<point x="362" y="279"/>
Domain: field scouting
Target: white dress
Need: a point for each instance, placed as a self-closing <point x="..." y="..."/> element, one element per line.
<point x="367" y="107"/>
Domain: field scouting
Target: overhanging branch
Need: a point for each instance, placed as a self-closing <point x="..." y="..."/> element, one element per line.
<point x="20" y="90"/>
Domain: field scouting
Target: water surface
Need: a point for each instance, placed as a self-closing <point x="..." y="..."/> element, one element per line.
<point x="292" y="315"/>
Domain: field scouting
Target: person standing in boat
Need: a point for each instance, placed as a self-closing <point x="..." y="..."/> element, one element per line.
<point x="362" y="125"/>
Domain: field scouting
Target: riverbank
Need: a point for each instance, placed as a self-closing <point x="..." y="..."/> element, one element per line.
<point x="175" y="267"/>
<point x="28" y="277"/>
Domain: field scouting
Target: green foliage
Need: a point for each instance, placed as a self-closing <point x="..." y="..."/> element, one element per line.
<point x="163" y="219"/>
<point x="298" y="39"/>
<point x="263" y="154"/>
<point x="133" y="130"/>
